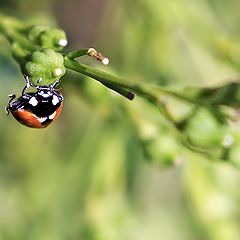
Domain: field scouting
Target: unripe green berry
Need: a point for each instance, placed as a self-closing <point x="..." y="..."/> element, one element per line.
<point x="46" y="37"/>
<point x="44" y="67"/>
<point x="204" y="130"/>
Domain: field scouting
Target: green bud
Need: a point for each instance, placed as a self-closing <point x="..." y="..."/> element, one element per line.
<point x="44" y="67"/>
<point x="163" y="151"/>
<point x="204" y="130"/>
<point x="47" y="37"/>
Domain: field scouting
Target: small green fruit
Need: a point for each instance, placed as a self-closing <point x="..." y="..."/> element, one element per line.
<point x="44" y="67"/>
<point x="46" y="37"/>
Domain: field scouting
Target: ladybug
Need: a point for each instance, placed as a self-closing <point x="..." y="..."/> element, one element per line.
<point x="36" y="109"/>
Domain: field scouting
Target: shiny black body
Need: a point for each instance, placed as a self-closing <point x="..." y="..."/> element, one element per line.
<point x="44" y="106"/>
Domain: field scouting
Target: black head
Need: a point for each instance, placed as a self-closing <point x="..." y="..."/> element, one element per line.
<point x="47" y="94"/>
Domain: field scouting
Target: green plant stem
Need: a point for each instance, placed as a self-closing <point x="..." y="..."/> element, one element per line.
<point x="147" y="91"/>
<point x="124" y="87"/>
<point x="106" y="79"/>
<point x="77" y="53"/>
<point x="85" y="51"/>
<point x="101" y="76"/>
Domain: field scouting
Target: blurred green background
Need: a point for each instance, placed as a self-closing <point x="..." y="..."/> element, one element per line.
<point x="109" y="168"/>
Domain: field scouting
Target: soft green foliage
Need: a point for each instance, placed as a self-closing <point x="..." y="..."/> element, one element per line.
<point x="46" y="67"/>
<point x="114" y="169"/>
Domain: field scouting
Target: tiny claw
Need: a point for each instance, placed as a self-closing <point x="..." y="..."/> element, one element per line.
<point x="7" y="110"/>
<point x="11" y="96"/>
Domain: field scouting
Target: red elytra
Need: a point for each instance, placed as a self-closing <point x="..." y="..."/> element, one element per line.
<point x="31" y="120"/>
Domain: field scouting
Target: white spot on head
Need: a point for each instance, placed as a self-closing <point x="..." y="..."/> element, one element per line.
<point x="52" y="116"/>
<point x="63" y="42"/>
<point x="44" y="94"/>
<point x="55" y="100"/>
<point x="57" y="72"/>
<point x="33" y="101"/>
<point x="105" y="61"/>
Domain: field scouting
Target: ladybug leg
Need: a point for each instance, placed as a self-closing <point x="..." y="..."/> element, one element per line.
<point x="52" y="86"/>
<point x="12" y="96"/>
<point x="55" y="84"/>
<point x="26" y="86"/>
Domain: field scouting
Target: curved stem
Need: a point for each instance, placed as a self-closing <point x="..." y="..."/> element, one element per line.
<point x="145" y="90"/>
<point x="106" y="79"/>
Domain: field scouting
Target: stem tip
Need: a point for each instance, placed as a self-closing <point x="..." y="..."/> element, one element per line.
<point x="93" y="53"/>
<point x="131" y="96"/>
